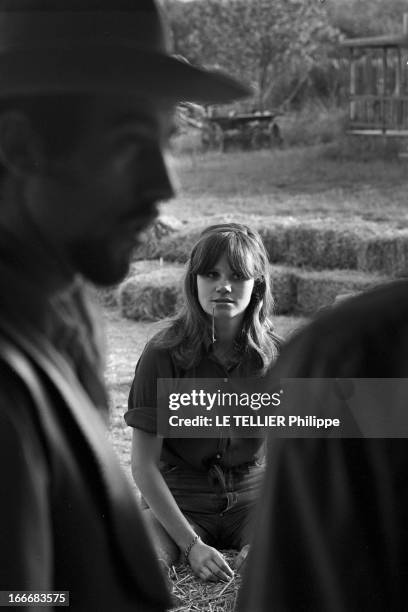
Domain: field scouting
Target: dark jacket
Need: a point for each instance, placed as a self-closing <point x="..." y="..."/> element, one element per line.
<point x="69" y="520"/>
<point x="332" y="524"/>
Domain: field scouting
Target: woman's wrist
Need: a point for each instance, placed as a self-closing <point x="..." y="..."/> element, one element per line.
<point x="196" y="538"/>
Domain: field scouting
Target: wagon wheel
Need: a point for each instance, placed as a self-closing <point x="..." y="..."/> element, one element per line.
<point x="275" y="136"/>
<point x="205" y="135"/>
<point x="256" y="137"/>
<point x="211" y="136"/>
<point x="217" y="137"/>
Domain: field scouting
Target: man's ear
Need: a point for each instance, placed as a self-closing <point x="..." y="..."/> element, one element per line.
<point x="20" y="147"/>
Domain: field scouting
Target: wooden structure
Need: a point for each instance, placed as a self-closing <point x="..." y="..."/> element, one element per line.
<point x="379" y="84"/>
<point x="246" y="131"/>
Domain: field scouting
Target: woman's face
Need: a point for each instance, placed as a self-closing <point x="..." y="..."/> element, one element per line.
<point x="221" y="290"/>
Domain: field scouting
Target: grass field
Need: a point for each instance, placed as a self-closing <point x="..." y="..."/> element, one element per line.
<point x="308" y="182"/>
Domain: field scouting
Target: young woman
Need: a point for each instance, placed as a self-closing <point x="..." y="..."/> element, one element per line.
<point x="199" y="493"/>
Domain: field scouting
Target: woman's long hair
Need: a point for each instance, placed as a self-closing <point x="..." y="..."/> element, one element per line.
<point x="189" y="332"/>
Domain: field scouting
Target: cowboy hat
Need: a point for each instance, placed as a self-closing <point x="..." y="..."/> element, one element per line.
<point x="91" y="46"/>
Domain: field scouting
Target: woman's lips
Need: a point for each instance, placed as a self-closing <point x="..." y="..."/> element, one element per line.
<point x="221" y="301"/>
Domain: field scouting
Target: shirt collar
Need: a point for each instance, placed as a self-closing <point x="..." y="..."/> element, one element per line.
<point x="209" y="349"/>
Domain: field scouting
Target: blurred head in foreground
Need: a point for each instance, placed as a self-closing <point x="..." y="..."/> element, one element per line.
<point x="87" y="92"/>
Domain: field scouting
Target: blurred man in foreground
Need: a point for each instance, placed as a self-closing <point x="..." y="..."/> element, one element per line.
<point x="87" y="90"/>
<point x="331" y="531"/>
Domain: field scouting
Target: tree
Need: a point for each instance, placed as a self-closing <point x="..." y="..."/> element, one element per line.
<point x="265" y="42"/>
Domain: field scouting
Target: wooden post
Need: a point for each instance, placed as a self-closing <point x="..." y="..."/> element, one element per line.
<point x="405" y="24"/>
<point x="404" y="58"/>
<point x="384" y="88"/>
<point x="398" y="89"/>
<point x="352" y="85"/>
<point x="398" y="73"/>
<point x="369" y="87"/>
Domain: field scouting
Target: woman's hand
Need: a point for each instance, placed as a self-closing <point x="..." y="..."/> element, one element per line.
<point x="241" y="559"/>
<point x="208" y="563"/>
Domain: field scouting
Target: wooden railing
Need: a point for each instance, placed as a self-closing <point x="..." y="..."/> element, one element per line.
<point x="378" y="112"/>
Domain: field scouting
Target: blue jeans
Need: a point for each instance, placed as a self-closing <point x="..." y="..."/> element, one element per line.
<point x="219" y="504"/>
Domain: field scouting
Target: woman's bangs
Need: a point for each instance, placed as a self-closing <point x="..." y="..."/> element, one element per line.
<point x="243" y="258"/>
<point x="207" y="255"/>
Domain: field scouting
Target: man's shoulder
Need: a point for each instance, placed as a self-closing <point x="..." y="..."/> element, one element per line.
<point x="12" y="387"/>
<point x="18" y="409"/>
<point x="379" y="307"/>
<point x="372" y="324"/>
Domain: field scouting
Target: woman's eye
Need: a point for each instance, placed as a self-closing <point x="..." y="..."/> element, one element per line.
<point x="211" y="274"/>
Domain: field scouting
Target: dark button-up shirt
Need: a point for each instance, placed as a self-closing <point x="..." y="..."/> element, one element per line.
<point x="198" y="453"/>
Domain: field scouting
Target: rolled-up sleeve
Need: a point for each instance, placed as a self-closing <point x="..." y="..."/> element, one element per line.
<point x="154" y="363"/>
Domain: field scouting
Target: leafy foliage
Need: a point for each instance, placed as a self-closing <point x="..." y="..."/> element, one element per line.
<point x="286" y="49"/>
<point x="360" y="18"/>
<point x="266" y="42"/>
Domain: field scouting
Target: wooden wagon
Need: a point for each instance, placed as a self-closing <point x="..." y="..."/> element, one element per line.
<point x="246" y="131"/>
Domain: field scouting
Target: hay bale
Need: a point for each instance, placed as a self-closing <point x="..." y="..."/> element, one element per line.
<point x="144" y="266"/>
<point x="319" y="245"/>
<point x="314" y="243"/>
<point x="274" y="232"/>
<point x="163" y="226"/>
<point x="283" y="287"/>
<point x="327" y="244"/>
<point x="176" y="247"/>
<point x="108" y="297"/>
<point x="158" y="293"/>
<point x="386" y="253"/>
<point x="316" y="289"/>
<point x="152" y="296"/>
<point x="152" y="292"/>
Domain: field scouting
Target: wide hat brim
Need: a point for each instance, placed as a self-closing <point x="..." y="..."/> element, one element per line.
<point x="116" y="69"/>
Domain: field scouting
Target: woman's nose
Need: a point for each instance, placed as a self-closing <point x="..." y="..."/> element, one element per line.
<point x="224" y="287"/>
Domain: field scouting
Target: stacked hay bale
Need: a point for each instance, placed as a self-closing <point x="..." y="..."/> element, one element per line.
<point x="176" y="245"/>
<point x="152" y="296"/>
<point x="316" y="290"/>
<point x="151" y="238"/>
<point x="387" y="252"/>
<point x="109" y="297"/>
<point x="283" y="286"/>
<point x="312" y="261"/>
<point x="313" y="243"/>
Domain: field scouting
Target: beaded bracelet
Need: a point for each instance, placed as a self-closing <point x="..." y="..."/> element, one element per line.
<point x="190" y="546"/>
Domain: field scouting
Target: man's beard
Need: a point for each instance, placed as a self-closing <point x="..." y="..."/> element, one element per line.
<point x="100" y="263"/>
